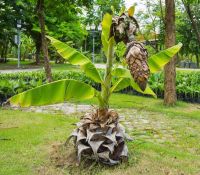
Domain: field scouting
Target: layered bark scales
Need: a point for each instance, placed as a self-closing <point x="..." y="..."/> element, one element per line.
<point x="104" y="142"/>
<point x="40" y="8"/>
<point x="170" y="68"/>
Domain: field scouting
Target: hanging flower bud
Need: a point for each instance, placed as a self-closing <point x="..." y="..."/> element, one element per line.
<point x="124" y="29"/>
<point x="136" y="58"/>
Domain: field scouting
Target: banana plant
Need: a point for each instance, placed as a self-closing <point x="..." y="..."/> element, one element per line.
<point x="99" y="134"/>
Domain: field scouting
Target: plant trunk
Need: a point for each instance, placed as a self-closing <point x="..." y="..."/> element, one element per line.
<point x="105" y="95"/>
<point x="38" y="49"/>
<point x="40" y="8"/>
<point x="170" y="68"/>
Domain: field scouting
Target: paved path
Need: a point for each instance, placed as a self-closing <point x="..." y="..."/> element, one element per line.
<point x="100" y="66"/>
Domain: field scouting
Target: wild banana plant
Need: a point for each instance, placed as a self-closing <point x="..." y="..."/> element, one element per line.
<point x="99" y="133"/>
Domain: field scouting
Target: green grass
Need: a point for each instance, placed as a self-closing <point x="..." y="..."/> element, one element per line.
<point x="26" y="140"/>
<point x="12" y="64"/>
<point x="181" y="109"/>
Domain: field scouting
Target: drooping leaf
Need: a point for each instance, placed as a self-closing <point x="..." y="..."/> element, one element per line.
<point x="156" y="62"/>
<point x="131" y="11"/>
<point x="147" y="91"/>
<point x="76" y="58"/>
<point x="125" y="74"/>
<point x="106" y="23"/>
<point x="120" y="84"/>
<point x="121" y="72"/>
<point x="51" y="93"/>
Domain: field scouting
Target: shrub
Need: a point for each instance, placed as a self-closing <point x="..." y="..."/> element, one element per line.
<point x="187" y="84"/>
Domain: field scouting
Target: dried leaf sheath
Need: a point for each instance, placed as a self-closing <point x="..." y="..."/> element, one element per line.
<point x="103" y="141"/>
<point x="123" y="28"/>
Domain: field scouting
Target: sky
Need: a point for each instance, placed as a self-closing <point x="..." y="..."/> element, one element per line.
<point x="128" y="3"/>
<point x="139" y="7"/>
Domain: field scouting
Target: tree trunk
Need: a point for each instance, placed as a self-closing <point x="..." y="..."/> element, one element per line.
<point x="192" y="19"/>
<point x="38" y="49"/>
<point x="197" y="59"/>
<point x="40" y="8"/>
<point x="170" y="68"/>
<point x="5" y="50"/>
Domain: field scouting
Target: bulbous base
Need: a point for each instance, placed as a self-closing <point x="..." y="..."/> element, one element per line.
<point x="102" y="141"/>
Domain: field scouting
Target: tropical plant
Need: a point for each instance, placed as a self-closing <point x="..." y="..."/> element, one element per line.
<point x="99" y="133"/>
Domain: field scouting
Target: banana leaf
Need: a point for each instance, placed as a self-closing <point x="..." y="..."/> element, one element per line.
<point x="156" y="62"/>
<point x="76" y="58"/>
<point x="127" y="80"/>
<point x="106" y="23"/>
<point x="51" y="93"/>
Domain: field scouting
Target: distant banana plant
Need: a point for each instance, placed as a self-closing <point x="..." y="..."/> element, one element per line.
<point x="99" y="133"/>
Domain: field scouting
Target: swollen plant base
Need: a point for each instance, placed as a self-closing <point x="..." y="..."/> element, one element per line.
<point x="101" y="141"/>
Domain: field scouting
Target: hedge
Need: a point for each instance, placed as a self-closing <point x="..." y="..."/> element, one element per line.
<point x="187" y="83"/>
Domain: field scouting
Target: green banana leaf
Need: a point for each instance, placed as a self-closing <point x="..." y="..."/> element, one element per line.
<point x="76" y="58"/>
<point x="106" y="23"/>
<point x="121" y="72"/>
<point x="56" y="92"/>
<point x="131" y="10"/>
<point x="127" y="80"/>
<point x="156" y="62"/>
<point x="121" y="84"/>
<point x="147" y="91"/>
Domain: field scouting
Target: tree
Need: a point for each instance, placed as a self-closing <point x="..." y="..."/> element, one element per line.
<point x="170" y="69"/>
<point x="64" y="26"/>
<point x="152" y="22"/>
<point x="185" y="34"/>
<point x="94" y="16"/>
<point x="99" y="133"/>
<point x="194" y="17"/>
<point x="8" y="15"/>
<point x="40" y="8"/>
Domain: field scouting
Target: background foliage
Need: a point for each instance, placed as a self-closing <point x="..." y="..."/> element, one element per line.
<point x="188" y="88"/>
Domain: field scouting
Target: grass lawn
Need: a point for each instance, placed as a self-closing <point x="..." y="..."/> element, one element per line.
<point x="166" y="140"/>
<point x="12" y="64"/>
